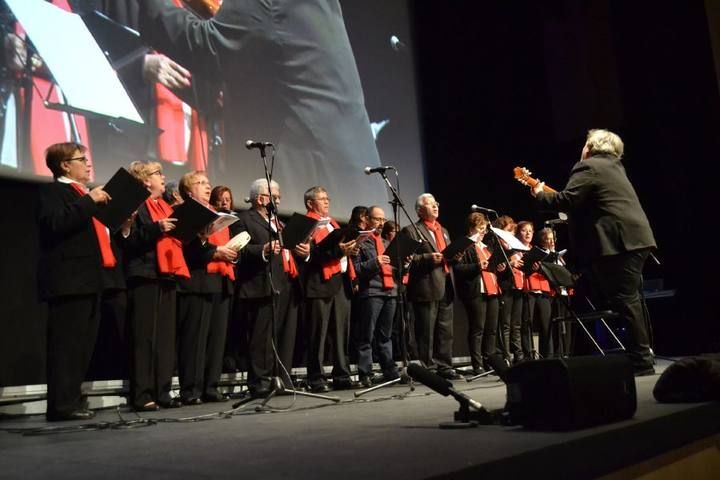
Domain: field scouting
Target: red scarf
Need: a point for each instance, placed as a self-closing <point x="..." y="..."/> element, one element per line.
<point x="288" y="261"/>
<point x="489" y="278"/>
<point x="387" y="278"/>
<point x="221" y="237"/>
<point x="103" y="237"/>
<point x="169" y="249"/>
<point x="331" y="267"/>
<point x="437" y="230"/>
<point x="518" y="275"/>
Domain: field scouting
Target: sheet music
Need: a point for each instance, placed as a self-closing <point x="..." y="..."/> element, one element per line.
<point x="75" y="60"/>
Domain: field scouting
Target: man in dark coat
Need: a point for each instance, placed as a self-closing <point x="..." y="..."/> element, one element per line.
<point x="611" y="232"/>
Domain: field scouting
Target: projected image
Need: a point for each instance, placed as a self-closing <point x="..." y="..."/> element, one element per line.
<point x="330" y="85"/>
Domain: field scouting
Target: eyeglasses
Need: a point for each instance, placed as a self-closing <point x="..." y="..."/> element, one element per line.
<point x="82" y="159"/>
<point x="275" y="197"/>
<point x="322" y="199"/>
<point x="201" y="182"/>
<point x="378" y="219"/>
<point x="156" y="172"/>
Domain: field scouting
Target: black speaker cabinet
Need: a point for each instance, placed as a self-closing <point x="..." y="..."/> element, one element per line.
<point x="571" y="393"/>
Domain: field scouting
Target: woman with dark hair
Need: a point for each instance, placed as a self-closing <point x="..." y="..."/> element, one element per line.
<point x="221" y="199"/>
<point x="155" y="262"/>
<point x="78" y="262"/>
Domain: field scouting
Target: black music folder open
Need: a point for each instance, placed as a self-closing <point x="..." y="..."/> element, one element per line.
<point x="297" y="230"/>
<point x="192" y="216"/>
<point x="459" y="245"/>
<point x="127" y="195"/>
<point x="406" y="246"/>
<point x="530" y="257"/>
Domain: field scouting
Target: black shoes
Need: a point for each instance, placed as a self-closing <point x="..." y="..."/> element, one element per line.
<point x="319" y="388"/>
<point x="80" y="414"/>
<point x="366" y="382"/>
<point x="343" y="384"/>
<point x="172" y="403"/>
<point x="214" y="397"/>
<point x="191" y="401"/>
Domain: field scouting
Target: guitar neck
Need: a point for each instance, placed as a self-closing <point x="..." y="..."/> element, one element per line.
<point x="532" y="182"/>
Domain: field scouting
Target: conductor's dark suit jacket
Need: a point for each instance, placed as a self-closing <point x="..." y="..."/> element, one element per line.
<point x="605" y="212"/>
<point x="427" y="280"/>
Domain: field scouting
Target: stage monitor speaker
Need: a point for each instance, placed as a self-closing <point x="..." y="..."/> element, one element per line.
<point x="571" y="393"/>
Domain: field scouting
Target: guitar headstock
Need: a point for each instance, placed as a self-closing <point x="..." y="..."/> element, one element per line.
<point x="522" y="175"/>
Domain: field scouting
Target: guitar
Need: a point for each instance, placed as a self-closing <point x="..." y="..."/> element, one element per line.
<point x="522" y="175"/>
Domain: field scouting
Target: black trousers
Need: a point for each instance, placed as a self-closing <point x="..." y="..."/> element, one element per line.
<point x="71" y="331"/>
<point x="510" y="320"/>
<point x="152" y="335"/>
<point x="618" y="279"/>
<point x="328" y="316"/>
<point x="482" y="313"/>
<point x="539" y="310"/>
<point x="434" y="332"/>
<point x="111" y="356"/>
<point x="202" y="326"/>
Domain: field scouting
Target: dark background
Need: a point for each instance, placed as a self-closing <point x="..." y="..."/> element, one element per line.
<point x="509" y="83"/>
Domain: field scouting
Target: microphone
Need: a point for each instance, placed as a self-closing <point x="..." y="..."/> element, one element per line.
<point x="555" y="221"/>
<point x="440" y="385"/>
<point x="250" y="144"/>
<point x="475" y="208"/>
<point x="369" y="170"/>
<point x="397" y="45"/>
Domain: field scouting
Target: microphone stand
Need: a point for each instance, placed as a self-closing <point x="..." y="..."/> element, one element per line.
<point x="277" y="386"/>
<point x="397" y="204"/>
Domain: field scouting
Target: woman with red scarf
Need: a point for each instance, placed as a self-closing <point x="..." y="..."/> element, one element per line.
<point x="155" y="262"/>
<point x="77" y="260"/>
<point x="479" y="290"/>
<point x="203" y="304"/>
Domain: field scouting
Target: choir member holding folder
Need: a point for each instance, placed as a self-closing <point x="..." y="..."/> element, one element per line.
<point x="203" y="302"/>
<point x="479" y="290"/>
<point x="155" y="262"/>
<point x="78" y="256"/>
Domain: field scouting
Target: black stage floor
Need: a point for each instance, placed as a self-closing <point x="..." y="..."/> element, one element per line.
<point x="380" y="435"/>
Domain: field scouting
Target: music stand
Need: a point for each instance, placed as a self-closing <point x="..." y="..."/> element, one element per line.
<point x="561" y="277"/>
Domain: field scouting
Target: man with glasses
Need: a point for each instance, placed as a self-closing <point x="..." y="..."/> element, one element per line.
<point x="328" y="276"/>
<point x="267" y="282"/>
<point x="377" y="300"/>
<point x="430" y="289"/>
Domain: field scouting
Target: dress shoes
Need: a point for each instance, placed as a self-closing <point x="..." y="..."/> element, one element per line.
<point x="172" y="403"/>
<point x="366" y="382"/>
<point x="319" y="388"/>
<point x="191" y="401"/>
<point x="81" y="414"/>
<point x="449" y="374"/>
<point x="343" y="384"/>
<point x="148" y="407"/>
<point x="214" y="397"/>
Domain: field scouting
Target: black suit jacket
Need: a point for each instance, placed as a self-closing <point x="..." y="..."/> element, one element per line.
<point x="70" y="260"/>
<point x="311" y="272"/>
<point x="427" y="280"/>
<point x="605" y="212"/>
<point x="468" y="281"/>
<point x="252" y="273"/>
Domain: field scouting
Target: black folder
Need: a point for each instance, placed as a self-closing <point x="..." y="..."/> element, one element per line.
<point x="406" y="246"/>
<point x="459" y="245"/>
<point x="558" y="275"/>
<point x="297" y="230"/>
<point x="533" y="255"/>
<point x="192" y="216"/>
<point x="127" y="194"/>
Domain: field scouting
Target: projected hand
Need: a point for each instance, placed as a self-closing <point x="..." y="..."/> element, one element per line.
<point x="161" y="69"/>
